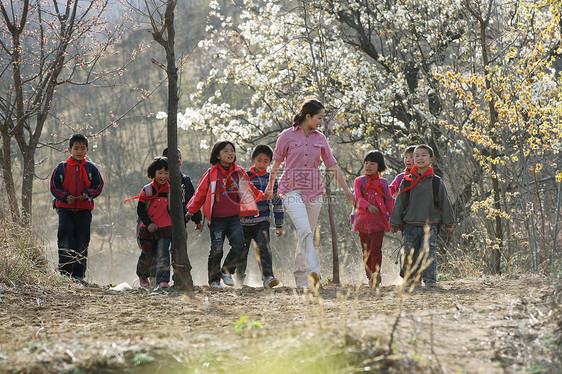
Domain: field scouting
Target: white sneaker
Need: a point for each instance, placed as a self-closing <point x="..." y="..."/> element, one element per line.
<point x="215" y="284"/>
<point x="227" y="279"/>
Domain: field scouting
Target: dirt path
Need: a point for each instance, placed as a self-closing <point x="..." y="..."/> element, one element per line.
<point x="474" y="326"/>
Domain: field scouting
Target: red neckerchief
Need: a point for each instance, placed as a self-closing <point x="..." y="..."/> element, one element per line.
<point x="374" y="184"/>
<point x="83" y="172"/>
<point x="165" y="188"/>
<point x="414" y="172"/>
<point x="253" y="172"/>
<point x="228" y="173"/>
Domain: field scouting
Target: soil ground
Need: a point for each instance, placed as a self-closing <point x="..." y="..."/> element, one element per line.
<point x="491" y="325"/>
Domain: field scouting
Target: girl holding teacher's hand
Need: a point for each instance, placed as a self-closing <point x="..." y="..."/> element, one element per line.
<point x="302" y="147"/>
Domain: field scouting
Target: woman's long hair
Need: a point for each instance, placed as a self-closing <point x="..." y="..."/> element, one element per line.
<point x="310" y="106"/>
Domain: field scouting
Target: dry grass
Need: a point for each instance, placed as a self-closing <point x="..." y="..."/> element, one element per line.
<point x="22" y="259"/>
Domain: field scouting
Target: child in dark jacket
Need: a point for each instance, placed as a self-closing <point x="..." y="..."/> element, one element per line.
<point x="74" y="184"/>
<point x="226" y="194"/>
<point x="257" y="228"/>
<point x="420" y="203"/>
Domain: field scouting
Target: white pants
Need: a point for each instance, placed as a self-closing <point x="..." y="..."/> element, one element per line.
<point x="304" y="217"/>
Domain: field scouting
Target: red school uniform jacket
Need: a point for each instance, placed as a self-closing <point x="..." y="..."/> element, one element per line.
<point x="158" y="211"/>
<point x="367" y="222"/>
<point x="68" y="180"/>
<point x="206" y="189"/>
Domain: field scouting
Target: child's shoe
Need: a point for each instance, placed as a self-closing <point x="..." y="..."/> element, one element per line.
<point x="162" y="285"/>
<point x="270" y="282"/>
<point x="240" y="279"/>
<point x="215" y="284"/>
<point x="144" y="283"/>
<point x="227" y="279"/>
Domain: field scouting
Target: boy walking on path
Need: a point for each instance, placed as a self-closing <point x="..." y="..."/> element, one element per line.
<point x="257" y="228"/>
<point x="74" y="184"/>
<point x="422" y="201"/>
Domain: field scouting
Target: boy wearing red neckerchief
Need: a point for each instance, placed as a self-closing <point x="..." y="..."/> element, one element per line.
<point x="74" y="184"/>
<point x="418" y="204"/>
<point x="257" y="228"/>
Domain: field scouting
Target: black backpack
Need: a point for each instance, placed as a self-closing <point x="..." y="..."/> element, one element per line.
<point x="60" y="173"/>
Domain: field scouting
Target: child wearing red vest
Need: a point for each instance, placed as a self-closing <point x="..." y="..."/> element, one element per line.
<point x="422" y="201"/>
<point x="374" y="207"/>
<point x="74" y="184"/>
<point x="155" y="231"/>
<point x="225" y="193"/>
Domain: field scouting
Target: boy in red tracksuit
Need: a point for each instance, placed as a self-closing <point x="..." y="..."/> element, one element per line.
<point x="74" y="184"/>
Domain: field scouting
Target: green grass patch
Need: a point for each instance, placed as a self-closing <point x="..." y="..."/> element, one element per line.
<point x="304" y="352"/>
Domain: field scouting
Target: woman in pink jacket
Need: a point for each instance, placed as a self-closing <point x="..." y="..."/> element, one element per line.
<point x="302" y="147"/>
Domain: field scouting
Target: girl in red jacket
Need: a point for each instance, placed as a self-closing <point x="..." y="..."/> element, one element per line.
<point x="155" y="231"/>
<point x="374" y="208"/>
<point x="225" y="193"/>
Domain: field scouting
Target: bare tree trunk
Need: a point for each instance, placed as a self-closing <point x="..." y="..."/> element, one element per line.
<point x="27" y="185"/>
<point x="497" y="249"/>
<point x="553" y="255"/>
<point x="180" y="259"/>
<point x="531" y="236"/>
<point x="6" y="160"/>
<point x="335" y="251"/>
<point x="496" y="253"/>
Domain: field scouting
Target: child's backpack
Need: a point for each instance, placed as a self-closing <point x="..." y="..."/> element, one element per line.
<point x="60" y="173"/>
<point x="148" y="191"/>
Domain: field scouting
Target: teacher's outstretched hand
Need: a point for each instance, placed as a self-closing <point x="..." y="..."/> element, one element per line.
<point x="336" y="171"/>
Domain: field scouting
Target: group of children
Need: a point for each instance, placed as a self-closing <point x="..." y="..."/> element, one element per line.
<point x="232" y="201"/>
<point x="416" y="202"/>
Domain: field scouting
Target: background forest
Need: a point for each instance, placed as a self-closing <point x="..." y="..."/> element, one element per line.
<point x="477" y="80"/>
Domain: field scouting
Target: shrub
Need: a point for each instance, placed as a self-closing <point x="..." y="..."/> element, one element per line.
<point x="22" y="260"/>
